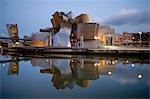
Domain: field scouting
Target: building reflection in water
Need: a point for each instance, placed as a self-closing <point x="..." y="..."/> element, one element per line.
<point x="41" y="62"/>
<point x="13" y="67"/>
<point x="71" y="72"/>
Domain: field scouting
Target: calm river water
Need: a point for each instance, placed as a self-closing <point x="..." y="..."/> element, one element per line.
<point x="74" y="77"/>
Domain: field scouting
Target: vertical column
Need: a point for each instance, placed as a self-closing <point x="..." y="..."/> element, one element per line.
<point x="50" y="39"/>
<point x="81" y="41"/>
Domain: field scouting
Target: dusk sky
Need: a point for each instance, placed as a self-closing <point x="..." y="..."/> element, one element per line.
<point x="31" y="15"/>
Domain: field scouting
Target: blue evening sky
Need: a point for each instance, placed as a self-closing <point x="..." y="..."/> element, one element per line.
<point x="31" y="15"/>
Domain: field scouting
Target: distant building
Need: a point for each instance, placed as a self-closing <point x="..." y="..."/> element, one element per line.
<point x="143" y="39"/>
<point x="125" y="39"/>
<point x="106" y="35"/>
<point x="133" y="39"/>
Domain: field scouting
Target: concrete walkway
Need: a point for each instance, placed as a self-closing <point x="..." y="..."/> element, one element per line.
<point x="121" y="48"/>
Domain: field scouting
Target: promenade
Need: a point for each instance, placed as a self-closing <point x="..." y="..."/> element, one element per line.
<point x="76" y="51"/>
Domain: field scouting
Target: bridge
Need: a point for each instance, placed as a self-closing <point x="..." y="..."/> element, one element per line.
<point x="14" y="38"/>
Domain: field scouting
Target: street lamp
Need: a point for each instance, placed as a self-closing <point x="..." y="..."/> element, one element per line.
<point x="133" y="40"/>
<point x="140" y="37"/>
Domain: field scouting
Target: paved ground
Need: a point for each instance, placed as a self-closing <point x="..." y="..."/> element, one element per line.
<point x="120" y="48"/>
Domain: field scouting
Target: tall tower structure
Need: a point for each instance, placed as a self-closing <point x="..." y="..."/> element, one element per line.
<point x="73" y="35"/>
<point x="12" y="30"/>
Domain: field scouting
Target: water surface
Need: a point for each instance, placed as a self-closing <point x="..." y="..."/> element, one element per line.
<point x="74" y="77"/>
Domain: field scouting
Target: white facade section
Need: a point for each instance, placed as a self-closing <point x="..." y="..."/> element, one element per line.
<point x="62" y="39"/>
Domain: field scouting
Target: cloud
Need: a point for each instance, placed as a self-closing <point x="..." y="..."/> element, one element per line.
<point x="97" y="19"/>
<point x="127" y="11"/>
<point x="129" y="17"/>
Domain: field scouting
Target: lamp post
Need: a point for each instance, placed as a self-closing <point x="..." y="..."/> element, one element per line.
<point x="109" y="39"/>
<point x="133" y="40"/>
<point x="140" y="38"/>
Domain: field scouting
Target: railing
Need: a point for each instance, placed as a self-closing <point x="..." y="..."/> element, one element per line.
<point x="8" y="38"/>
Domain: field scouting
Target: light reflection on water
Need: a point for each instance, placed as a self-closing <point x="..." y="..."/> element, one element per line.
<point x="74" y="77"/>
